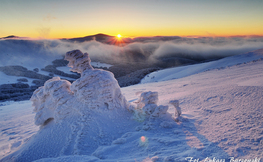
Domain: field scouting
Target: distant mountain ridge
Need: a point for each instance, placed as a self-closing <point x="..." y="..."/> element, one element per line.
<point x="10" y="37"/>
<point x="98" y="37"/>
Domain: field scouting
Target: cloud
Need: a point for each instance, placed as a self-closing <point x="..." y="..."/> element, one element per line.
<point x="148" y="51"/>
<point x="206" y="50"/>
<point x="195" y="49"/>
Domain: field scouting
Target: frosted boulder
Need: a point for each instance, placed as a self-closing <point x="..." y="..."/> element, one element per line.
<point x="178" y="110"/>
<point x="160" y="110"/>
<point x="95" y="89"/>
<point x="98" y="89"/>
<point x="78" y="61"/>
<point x="148" y="98"/>
<point x="147" y="104"/>
<point x="49" y="99"/>
<point x="149" y="108"/>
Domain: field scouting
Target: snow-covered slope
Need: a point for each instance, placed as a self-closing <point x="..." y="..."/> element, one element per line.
<point x="17" y="125"/>
<point x="183" y="71"/>
<point x="221" y="119"/>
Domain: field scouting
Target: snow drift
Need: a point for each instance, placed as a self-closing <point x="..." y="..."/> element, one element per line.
<point x="77" y="118"/>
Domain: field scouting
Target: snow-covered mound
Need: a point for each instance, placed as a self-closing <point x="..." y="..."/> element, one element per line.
<point x="184" y="71"/>
<point x="78" y="118"/>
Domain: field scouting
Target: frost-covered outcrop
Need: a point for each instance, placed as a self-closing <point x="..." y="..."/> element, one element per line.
<point x="95" y="89"/>
<point x="49" y="101"/>
<point x="78" y="61"/>
<point x="147" y="105"/>
<point x="175" y="103"/>
<point x="147" y="98"/>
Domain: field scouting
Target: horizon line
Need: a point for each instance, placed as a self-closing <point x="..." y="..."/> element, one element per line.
<point x="197" y="36"/>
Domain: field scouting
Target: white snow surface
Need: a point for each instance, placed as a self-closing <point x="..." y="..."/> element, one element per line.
<point x="221" y="119"/>
<point x="17" y="125"/>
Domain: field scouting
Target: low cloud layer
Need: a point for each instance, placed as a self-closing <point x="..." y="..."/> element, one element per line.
<point x="141" y="50"/>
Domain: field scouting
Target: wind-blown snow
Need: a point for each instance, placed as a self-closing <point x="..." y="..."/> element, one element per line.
<point x="17" y="125"/>
<point x="221" y="119"/>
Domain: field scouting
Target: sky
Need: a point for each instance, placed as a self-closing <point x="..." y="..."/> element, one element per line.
<point x="130" y="18"/>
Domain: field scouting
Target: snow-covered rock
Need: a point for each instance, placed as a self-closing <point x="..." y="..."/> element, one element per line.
<point x="49" y="100"/>
<point x="148" y="98"/>
<point x="175" y="103"/>
<point x="78" y="61"/>
<point x="96" y="89"/>
<point x="147" y="106"/>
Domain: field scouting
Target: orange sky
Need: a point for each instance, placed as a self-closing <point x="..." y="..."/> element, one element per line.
<point x="131" y="18"/>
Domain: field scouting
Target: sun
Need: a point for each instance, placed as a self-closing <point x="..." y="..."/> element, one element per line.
<point x="119" y="36"/>
<point x="117" y="40"/>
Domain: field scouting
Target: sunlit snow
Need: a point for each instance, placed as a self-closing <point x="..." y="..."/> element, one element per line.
<point x="221" y="118"/>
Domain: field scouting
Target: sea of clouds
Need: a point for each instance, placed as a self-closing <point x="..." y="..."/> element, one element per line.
<point x="150" y="50"/>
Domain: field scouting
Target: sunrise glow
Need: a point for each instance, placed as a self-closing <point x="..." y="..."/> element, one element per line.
<point x="52" y="19"/>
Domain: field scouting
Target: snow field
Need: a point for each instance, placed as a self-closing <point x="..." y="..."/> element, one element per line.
<point x="221" y="118"/>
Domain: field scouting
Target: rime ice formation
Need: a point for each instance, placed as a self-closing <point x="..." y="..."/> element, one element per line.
<point x="78" y="61"/>
<point x="147" y="103"/>
<point x="175" y="103"/>
<point x="95" y="89"/>
<point x="49" y="100"/>
<point x="148" y="98"/>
